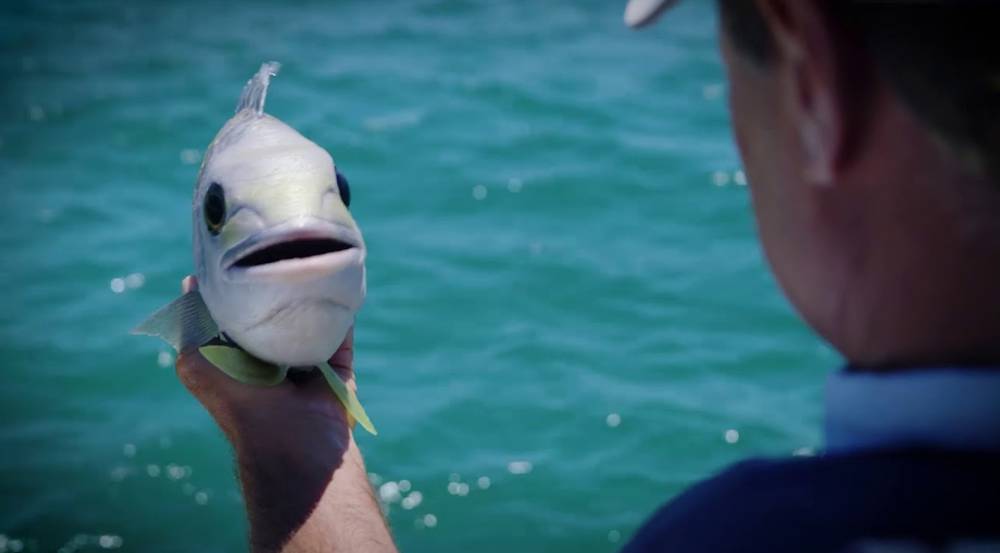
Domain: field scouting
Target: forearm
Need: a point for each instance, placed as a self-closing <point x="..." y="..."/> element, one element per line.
<point x="310" y="501"/>
<point x="348" y="517"/>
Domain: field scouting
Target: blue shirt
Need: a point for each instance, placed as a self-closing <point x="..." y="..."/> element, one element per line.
<point x="912" y="458"/>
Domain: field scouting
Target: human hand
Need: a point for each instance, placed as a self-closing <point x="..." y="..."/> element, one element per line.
<point x="301" y="409"/>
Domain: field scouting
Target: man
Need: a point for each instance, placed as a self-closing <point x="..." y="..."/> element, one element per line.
<point x="870" y="132"/>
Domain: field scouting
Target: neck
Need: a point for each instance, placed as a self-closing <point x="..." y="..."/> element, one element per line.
<point x="921" y="284"/>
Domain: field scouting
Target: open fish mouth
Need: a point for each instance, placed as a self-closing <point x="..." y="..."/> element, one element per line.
<point x="292" y="247"/>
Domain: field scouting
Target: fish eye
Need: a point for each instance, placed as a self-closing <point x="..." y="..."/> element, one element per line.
<point x="214" y="206"/>
<point x="344" y="189"/>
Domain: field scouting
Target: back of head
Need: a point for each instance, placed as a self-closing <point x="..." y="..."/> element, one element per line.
<point x="870" y="131"/>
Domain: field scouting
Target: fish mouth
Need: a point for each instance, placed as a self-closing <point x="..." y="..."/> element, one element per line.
<point x="311" y="247"/>
<point x="291" y="249"/>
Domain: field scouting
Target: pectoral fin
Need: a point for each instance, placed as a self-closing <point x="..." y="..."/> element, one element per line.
<point x="244" y="367"/>
<point x="348" y="398"/>
<point x="183" y="323"/>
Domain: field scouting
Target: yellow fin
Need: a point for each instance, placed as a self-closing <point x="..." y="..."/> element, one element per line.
<point x="244" y="367"/>
<point x="348" y="398"/>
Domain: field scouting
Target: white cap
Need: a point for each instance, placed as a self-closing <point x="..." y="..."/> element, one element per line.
<point x="643" y="12"/>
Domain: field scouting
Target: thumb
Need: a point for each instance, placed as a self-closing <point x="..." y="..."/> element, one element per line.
<point x="343" y="359"/>
<point x="189" y="283"/>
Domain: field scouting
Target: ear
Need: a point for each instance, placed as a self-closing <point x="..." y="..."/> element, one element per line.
<point x="806" y="51"/>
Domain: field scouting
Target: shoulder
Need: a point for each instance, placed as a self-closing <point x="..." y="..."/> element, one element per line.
<point x="823" y="503"/>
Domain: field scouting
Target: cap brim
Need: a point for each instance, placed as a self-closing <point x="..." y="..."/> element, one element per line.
<point x="639" y="13"/>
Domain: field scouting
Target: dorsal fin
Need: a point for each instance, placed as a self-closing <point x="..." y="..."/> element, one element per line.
<point x="255" y="92"/>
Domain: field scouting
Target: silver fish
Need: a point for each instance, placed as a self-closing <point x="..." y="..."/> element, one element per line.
<point x="279" y="259"/>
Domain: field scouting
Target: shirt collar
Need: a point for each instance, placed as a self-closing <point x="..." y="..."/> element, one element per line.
<point x="944" y="408"/>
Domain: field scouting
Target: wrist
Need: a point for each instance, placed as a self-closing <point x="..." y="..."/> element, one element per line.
<point x="261" y="429"/>
<point x="284" y="476"/>
<point x="294" y="446"/>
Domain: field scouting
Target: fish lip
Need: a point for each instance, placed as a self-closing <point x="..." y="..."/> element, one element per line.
<point x="300" y="229"/>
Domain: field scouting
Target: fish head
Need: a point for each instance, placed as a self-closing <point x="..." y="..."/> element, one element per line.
<point x="279" y="258"/>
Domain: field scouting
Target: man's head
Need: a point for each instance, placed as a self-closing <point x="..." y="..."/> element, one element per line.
<point x="870" y="132"/>
<point x="938" y="56"/>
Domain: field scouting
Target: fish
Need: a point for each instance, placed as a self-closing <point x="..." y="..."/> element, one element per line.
<point x="280" y="261"/>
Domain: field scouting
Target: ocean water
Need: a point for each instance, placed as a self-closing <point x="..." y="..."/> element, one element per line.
<point x="569" y="318"/>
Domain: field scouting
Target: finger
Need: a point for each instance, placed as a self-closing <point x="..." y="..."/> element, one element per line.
<point x="189" y="283"/>
<point x="343" y="359"/>
<point x="203" y="379"/>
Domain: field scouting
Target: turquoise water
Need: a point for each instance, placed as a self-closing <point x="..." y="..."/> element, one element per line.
<point x="566" y="298"/>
